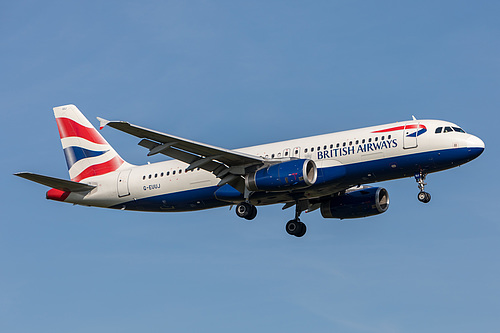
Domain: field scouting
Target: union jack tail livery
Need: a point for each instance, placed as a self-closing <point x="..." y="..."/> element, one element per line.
<point x="87" y="153"/>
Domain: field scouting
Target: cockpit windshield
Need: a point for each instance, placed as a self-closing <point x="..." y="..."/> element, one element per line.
<point x="448" y="129"/>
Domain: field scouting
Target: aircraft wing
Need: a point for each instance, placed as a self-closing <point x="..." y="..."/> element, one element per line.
<point x="57" y="183"/>
<point x="226" y="164"/>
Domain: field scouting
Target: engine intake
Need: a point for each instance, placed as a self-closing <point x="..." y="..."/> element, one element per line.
<point x="288" y="175"/>
<point x="361" y="203"/>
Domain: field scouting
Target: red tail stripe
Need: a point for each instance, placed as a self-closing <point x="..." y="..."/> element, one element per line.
<point x="100" y="169"/>
<point x="69" y="128"/>
<point x="58" y="195"/>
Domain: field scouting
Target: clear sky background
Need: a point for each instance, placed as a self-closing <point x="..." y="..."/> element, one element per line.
<point x="233" y="74"/>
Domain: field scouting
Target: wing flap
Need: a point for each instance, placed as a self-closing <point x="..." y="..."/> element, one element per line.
<point x="57" y="183"/>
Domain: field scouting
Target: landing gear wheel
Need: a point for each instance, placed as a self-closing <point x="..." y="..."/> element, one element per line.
<point x="246" y="210"/>
<point x="296" y="228"/>
<point x="253" y="213"/>
<point x="424" y="197"/>
<point x="302" y="231"/>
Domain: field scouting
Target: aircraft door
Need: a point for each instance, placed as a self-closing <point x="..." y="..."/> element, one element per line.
<point x="296" y="152"/>
<point x="286" y="152"/>
<point x="123" y="189"/>
<point x="410" y="135"/>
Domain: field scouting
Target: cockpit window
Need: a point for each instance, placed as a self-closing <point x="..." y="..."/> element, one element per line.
<point x="448" y="129"/>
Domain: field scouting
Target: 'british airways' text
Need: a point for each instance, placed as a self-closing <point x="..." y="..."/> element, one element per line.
<point x="357" y="149"/>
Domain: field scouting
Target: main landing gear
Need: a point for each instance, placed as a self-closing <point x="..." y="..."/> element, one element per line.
<point x="295" y="227"/>
<point x="422" y="196"/>
<point x="246" y="210"/>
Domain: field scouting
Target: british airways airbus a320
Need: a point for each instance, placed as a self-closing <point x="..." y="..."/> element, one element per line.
<point x="326" y="172"/>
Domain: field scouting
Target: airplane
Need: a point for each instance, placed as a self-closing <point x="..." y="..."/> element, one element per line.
<point x="329" y="172"/>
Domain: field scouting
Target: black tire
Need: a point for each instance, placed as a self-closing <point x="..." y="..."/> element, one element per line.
<point x="253" y="213"/>
<point x="244" y="209"/>
<point x="302" y="230"/>
<point x="296" y="228"/>
<point x="292" y="226"/>
<point x="424" y="197"/>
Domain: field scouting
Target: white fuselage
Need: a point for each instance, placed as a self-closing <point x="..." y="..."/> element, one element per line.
<point x="368" y="155"/>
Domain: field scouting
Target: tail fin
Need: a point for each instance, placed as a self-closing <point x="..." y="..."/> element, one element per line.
<point x="87" y="153"/>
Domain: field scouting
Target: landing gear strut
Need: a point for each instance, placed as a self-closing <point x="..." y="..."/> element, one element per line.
<point x="295" y="227"/>
<point x="246" y="210"/>
<point x="422" y="196"/>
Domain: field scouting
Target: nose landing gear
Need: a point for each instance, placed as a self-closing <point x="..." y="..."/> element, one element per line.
<point x="420" y="179"/>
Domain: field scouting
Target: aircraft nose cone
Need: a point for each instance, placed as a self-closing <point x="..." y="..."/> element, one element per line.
<point x="475" y="142"/>
<point x="475" y="146"/>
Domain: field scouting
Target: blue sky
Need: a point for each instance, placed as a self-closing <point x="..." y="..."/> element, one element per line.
<point x="234" y="74"/>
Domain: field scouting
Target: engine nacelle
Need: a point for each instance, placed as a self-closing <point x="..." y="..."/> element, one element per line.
<point x="360" y="203"/>
<point x="289" y="175"/>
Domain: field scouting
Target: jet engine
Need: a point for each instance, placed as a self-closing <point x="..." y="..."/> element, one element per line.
<point x="290" y="175"/>
<point x="358" y="203"/>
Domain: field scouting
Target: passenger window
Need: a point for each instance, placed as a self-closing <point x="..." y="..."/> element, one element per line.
<point x="319" y="148"/>
<point x="370" y="140"/>
<point x="161" y="174"/>
<point x="143" y="177"/>
<point x="331" y="146"/>
<point x="344" y="144"/>
<point x="180" y="171"/>
<point x="272" y="156"/>
<point x="305" y="151"/>
<point x="338" y="145"/>
<point x="350" y="143"/>
<point x="173" y="172"/>
<point x="382" y="138"/>
<point x="388" y="137"/>
<point x="156" y="175"/>
<point x="149" y="177"/>
<point x="439" y="130"/>
<point x="357" y="142"/>
<point x="312" y="149"/>
<point x="448" y="129"/>
<point x="376" y="138"/>
<point x="363" y="141"/>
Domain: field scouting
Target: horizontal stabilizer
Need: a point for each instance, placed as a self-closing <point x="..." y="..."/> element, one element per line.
<point x="57" y="183"/>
